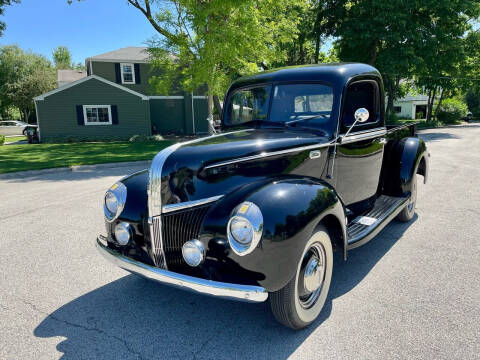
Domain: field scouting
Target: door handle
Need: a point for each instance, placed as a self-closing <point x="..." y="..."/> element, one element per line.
<point x="382" y="140"/>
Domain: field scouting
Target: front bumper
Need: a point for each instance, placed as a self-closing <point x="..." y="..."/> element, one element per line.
<point x="248" y="293"/>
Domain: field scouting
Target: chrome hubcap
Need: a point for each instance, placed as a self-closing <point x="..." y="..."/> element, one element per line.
<point x="312" y="275"/>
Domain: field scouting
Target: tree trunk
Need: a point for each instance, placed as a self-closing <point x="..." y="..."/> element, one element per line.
<point x="431" y="99"/>
<point x="372" y="56"/>
<point x="218" y="105"/>
<point x="439" y="102"/>
<point x="390" y="96"/>
<point x="210" y="111"/>
<point x="317" y="48"/>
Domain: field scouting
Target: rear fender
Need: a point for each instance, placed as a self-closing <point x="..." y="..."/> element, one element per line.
<point x="292" y="208"/>
<point x="402" y="160"/>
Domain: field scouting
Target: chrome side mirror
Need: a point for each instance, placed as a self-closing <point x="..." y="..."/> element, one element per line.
<point x="361" y="115"/>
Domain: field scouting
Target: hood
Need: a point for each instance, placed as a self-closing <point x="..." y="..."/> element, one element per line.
<point x="219" y="164"/>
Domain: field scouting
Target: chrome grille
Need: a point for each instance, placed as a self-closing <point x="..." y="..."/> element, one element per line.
<point x="179" y="227"/>
<point x="158" y="256"/>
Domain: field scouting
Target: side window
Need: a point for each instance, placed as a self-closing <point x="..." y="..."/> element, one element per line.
<point x="248" y="105"/>
<point x="361" y="94"/>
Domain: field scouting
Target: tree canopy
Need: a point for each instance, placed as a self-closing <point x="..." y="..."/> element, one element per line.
<point x="3" y="4"/>
<point x="404" y="39"/>
<point x="62" y="58"/>
<point x="23" y="75"/>
<point x="215" y="41"/>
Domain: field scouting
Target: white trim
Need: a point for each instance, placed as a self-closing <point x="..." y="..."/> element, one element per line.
<point x="119" y="60"/>
<point x="200" y="97"/>
<point x="132" y="65"/>
<point x="193" y="115"/>
<point x="173" y="97"/>
<point x="96" y="77"/>
<point x="85" y="118"/>
<point x="38" y="122"/>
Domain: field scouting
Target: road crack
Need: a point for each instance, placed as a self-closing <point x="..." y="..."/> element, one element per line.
<point x="83" y="327"/>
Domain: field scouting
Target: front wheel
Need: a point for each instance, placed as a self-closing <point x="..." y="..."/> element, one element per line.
<point x="408" y="211"/>
<point x="300" y="302"/>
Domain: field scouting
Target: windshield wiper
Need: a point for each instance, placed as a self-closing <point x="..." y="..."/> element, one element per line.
<point x="264" y="122"/>
<point x="288" y="123"/>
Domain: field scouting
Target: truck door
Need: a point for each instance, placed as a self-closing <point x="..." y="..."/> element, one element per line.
<point x="358" y="158"/>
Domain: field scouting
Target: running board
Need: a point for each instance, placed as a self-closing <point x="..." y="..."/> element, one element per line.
<point x="363" y="228"/>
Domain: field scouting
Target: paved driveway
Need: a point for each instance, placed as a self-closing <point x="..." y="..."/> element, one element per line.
<point x="412" y="292"/>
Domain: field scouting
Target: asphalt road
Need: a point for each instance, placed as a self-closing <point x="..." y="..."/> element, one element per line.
<point x="412" y="292"/>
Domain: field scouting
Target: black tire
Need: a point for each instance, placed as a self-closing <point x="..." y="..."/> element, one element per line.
<point x="24" y="132"/>
<point x="287" y="306"/>
<point x="408" y="211"/>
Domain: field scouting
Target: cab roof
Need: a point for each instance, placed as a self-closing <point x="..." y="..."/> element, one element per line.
<point x="338" y="74"/>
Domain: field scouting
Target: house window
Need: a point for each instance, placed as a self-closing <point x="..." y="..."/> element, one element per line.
<point x="97" y="114"/>
<point x="128" y="73"/>
<point x="397" y="109"/>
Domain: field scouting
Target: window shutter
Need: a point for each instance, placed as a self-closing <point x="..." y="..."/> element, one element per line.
<point x="137" y="73"/>
<point x="80" y="118"/>
<point x="118" y="74"/>
<point x="114" y="114"/>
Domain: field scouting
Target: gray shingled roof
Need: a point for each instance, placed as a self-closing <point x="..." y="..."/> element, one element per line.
<point x="131" y="53"/>
<point x="70" y="75"/>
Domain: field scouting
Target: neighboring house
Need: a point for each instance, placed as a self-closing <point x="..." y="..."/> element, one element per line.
<point x="411" y="107"/>
<point x="114" y="100"/>
<point x="65" y="77"/>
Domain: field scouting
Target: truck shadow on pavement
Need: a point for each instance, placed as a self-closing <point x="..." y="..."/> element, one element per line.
<point x="134" y="318"/>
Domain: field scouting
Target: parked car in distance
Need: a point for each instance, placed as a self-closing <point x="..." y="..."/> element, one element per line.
<point x="304" y="166"/>
<point x="15" y="127"/>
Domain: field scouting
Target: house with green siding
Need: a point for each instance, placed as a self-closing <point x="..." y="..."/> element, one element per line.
<point x="115" y="100"/>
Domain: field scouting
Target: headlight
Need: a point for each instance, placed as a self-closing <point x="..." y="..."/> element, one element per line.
<point x="193" y="252"/>
<point x="123" y="233"/>
<point x="245" y="228"/>
<point x="111" y="202"/>
<point x="114" y="201"/>
<point x="241" y="230"/>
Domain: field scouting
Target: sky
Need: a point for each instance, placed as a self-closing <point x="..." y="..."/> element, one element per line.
<point x="87" y="28"/>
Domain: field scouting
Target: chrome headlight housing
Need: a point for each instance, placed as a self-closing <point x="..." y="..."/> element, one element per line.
<point x="245" y="228"/>
<point x="114" y="201"/>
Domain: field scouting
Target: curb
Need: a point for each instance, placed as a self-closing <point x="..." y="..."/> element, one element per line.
<point x="77" y="168"/>
<point x="74" y="168"/>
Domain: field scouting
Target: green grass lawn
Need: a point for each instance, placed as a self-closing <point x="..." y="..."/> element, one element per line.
<point x="44" y="156"/>
<point x="15" y="138"/>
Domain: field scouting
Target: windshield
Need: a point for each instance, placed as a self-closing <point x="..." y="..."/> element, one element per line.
<point x="306" y="105"/>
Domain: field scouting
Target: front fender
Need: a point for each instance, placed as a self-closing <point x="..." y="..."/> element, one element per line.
<point x="403" y="159"/>
<point x="291" y="208"/>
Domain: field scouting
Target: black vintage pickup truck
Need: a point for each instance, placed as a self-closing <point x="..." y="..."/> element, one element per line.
<point x="304" y="166"/>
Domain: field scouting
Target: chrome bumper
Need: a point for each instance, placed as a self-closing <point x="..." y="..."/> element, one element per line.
<point x="248" y="293"/>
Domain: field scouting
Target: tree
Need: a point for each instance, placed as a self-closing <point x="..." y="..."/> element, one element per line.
<point x="215" y="41"/>
<point x="4" y="3"/>
<point x="401" y="38"/>
<point x="23" y="75"/>
<point x="62" y="58"/>
<point x="470" y="82"/>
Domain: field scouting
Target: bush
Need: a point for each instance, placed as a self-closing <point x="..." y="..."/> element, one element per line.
<point x="143" y="138"/>
<point x="2" y="140"/>
<point x="138" y="138"/>
<point x="451" y="111"/>
<point x="473" y="101"/>
<point x="391" y="118"/>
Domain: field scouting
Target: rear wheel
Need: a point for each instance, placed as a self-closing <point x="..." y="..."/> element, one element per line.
<point x="409" y="210"/>
<point x="300" y="302"/>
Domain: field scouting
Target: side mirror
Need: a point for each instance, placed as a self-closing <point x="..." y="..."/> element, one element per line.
<point x="361" y="115"/>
